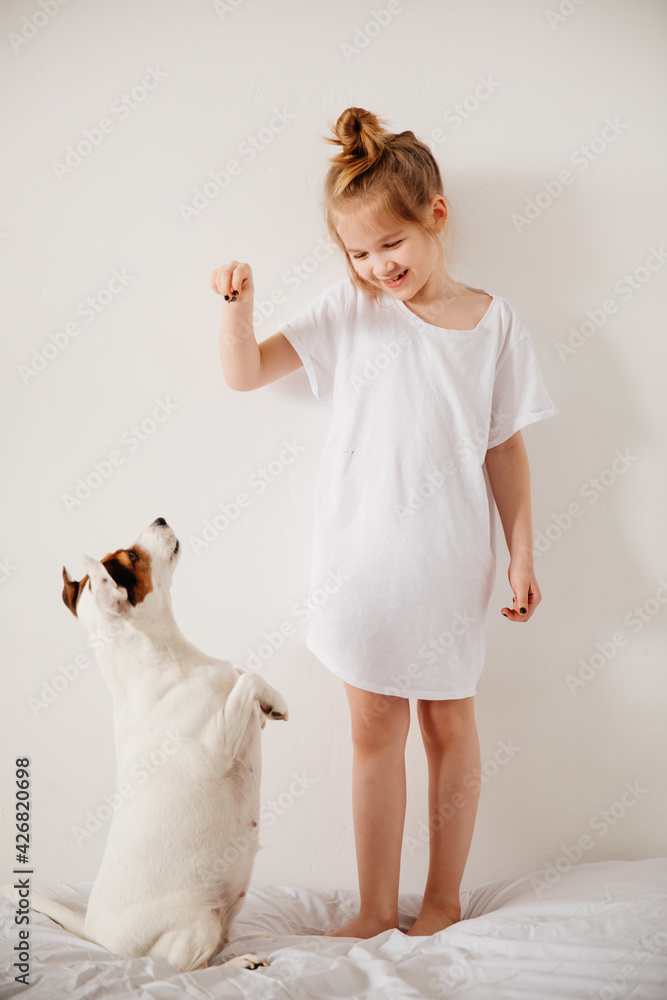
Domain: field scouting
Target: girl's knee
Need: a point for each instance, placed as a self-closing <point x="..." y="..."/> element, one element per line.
<point x="378" y="721"/>
<point x="447" y="721"/>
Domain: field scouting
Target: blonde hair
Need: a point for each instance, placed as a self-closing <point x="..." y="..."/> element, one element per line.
<point x="394" y="175"/>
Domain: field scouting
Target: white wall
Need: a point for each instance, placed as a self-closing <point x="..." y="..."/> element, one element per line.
<point x="221" y="72"/>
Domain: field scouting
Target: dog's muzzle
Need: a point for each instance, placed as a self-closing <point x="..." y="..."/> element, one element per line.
<point x="160" y="522"/>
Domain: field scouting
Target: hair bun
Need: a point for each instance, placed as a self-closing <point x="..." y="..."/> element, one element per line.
<point x="360" y="133"/>
<point x="363" y="138"/>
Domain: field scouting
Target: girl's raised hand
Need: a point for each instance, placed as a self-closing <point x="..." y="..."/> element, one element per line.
<point x="526" y="593"/>
<point x="234" y="281"/>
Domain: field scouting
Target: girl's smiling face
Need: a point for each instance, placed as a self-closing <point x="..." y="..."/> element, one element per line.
<point x="395" y="255"/>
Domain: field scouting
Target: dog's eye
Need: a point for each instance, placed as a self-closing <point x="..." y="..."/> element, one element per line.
<point x="133" y="555"/>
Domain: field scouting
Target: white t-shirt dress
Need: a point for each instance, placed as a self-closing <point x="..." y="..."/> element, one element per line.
<point x="404" y="535"/>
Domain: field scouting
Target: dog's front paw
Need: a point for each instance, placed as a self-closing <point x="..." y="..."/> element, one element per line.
<point x="276" y="708"/>
<point x="248" y="961"/>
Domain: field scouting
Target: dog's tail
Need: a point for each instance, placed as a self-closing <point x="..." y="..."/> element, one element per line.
<point x="70" y="920"/>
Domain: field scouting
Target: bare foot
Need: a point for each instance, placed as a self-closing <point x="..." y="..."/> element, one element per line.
<point x="363" y="927"/>
<point x="433" y="919"/>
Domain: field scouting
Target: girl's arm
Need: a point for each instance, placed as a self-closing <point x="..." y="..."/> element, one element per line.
<point x="245" y="363"/>
<point x="509" y="475"/>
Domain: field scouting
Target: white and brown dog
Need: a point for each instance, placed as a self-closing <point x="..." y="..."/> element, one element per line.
<point x="181" y="846"/>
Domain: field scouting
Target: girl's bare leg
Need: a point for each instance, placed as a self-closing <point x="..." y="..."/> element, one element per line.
<point x="380" y="725"/>
<point x="454" y="772"/>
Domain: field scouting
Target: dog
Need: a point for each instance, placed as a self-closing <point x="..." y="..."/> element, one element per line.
<point x="181" y="844"/>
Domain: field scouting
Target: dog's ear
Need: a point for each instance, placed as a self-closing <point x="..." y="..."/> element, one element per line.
<point x="108" y="595"/>
<point x="71" y="591"/>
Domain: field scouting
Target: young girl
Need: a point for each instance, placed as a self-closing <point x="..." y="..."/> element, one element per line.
<point x="430" y="382"/>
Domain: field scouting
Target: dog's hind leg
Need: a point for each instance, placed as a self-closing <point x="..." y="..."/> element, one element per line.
<point x="191" y="946"/>
<point x="236" y="712"/>
<point x="68" y="919"/>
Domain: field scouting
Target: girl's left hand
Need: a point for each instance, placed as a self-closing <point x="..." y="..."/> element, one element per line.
<point x="526" y="593"/>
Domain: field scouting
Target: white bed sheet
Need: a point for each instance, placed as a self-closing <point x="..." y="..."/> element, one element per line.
<point x="598" y="933"/>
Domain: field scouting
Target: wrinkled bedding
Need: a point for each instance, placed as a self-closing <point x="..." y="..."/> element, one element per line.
<point x="595" y="931"/>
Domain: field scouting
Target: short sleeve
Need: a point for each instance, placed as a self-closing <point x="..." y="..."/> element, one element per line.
<point x="520" y="396"/>
<point x="315" y="334"/>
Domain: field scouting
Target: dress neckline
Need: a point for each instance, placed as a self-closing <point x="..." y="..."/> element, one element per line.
<point x="422" y="323"/>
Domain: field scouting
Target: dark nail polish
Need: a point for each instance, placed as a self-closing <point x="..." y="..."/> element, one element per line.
<point x="503" y="614"/>
<point x="227" y="297"/>
<point x="522" y="610"/>
<point x="235" y="292"/>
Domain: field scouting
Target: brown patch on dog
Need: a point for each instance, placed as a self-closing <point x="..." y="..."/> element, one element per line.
<point x="72" y="590"/>
<point x="134" y="574"/>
